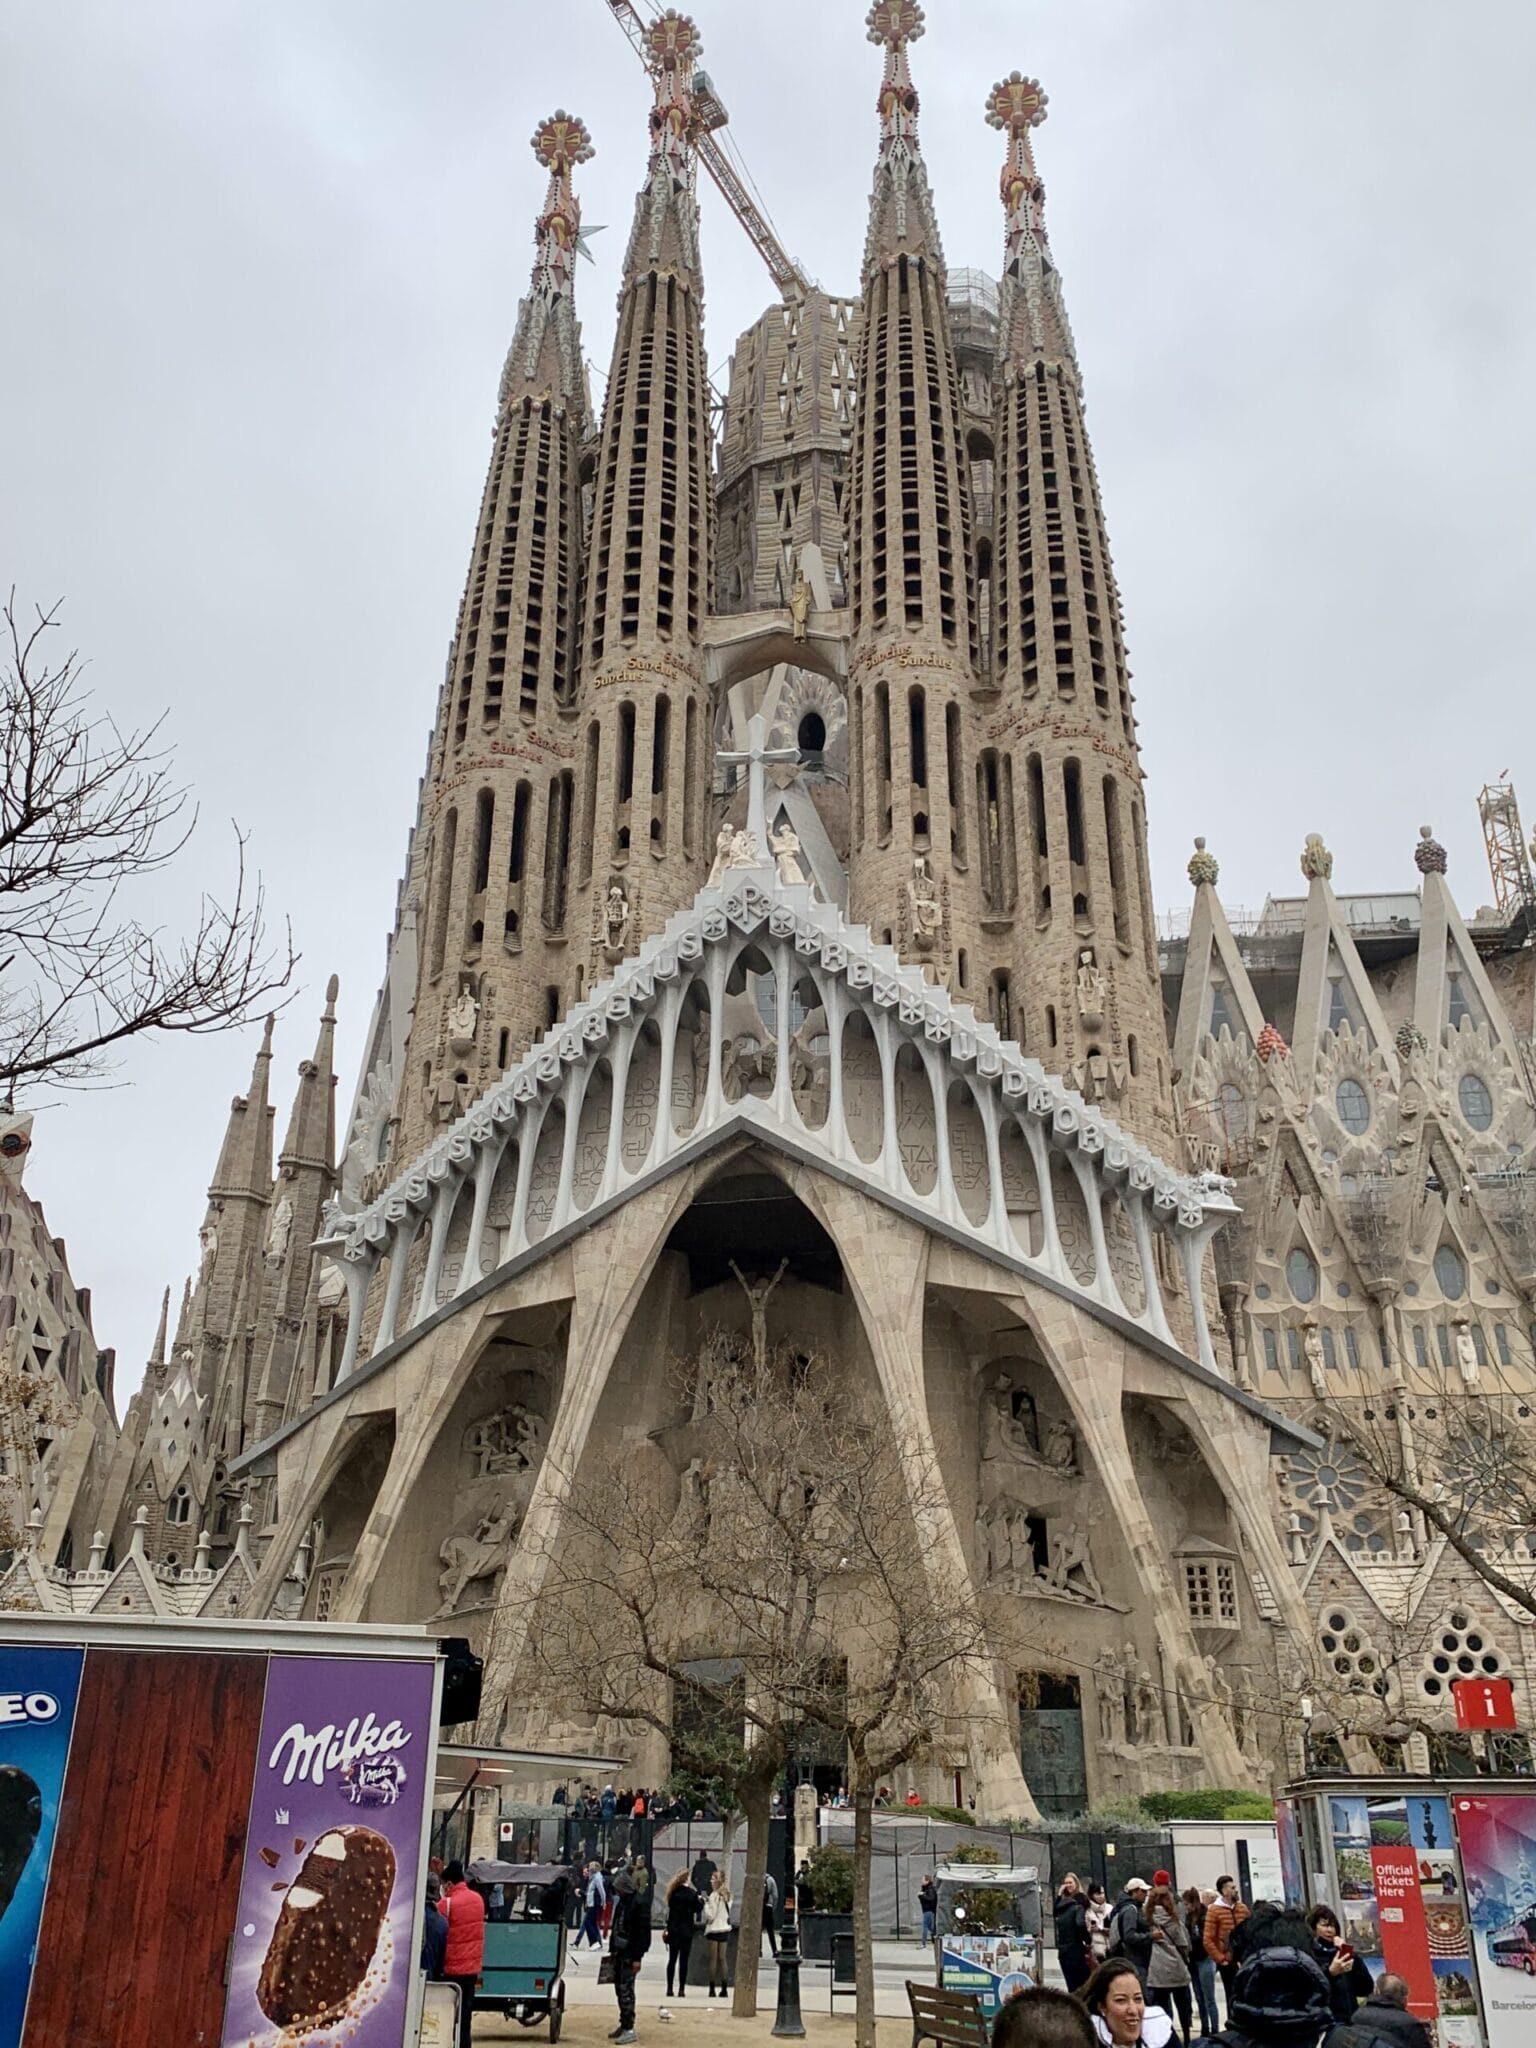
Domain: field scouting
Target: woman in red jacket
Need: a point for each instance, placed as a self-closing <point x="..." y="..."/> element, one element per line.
<point x="464" y="1910"/>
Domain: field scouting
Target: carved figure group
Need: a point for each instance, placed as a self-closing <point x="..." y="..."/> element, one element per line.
<point x="1007" y="1556"/>
<point x="1129" y="1702"/>
<point x="1014" y="1439"/>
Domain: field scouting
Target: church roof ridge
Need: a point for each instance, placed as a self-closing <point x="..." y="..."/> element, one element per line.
<point x="745" y="900"/>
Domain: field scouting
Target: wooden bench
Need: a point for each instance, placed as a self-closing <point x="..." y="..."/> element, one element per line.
<point x="952" y="2018"/>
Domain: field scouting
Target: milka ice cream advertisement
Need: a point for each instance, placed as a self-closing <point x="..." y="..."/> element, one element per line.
<point x="38" y="1688"/>
<point x="326" y="1941"/>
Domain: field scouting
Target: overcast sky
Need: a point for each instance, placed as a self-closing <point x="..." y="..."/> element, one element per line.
<point x="261" y="263"/>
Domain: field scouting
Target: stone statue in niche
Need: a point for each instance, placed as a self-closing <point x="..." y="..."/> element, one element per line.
<point x="463" y="1016"/>
<point x="1092" y="991"/>
<point x="786" y="853"/>
<point x="1109" y="1686"/>
<point x="1312" y="1351"/>
<point x="1245" y="1717"/>
<point x="1218" y="1691"/>
<point x="208" y="1239"/>
<point x="927" y="907"/>
<point x="1466" y="1353"/>
<point x="1059" y="1449"/>
<point x="279" y="1233"/>
<point x="1145" y="1722"/>
<point x="466" y="1558"/>
<point x="615" y="922"/>
<point x="800" y="605"/>
<point x="723" y="846"/>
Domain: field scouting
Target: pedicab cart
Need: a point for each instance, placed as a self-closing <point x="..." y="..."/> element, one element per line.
<point x="987" y="1931"/>
<point x="522" y="1976"/>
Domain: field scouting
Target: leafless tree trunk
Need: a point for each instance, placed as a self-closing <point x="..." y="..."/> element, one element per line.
<point x="86" y="810"/>
<point x="798" y="1548"/>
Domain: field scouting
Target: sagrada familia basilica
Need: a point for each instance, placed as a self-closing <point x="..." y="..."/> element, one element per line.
<point x="777" y="939"/>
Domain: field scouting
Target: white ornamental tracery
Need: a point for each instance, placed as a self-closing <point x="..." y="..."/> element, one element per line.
<point x="856" y="1060"/>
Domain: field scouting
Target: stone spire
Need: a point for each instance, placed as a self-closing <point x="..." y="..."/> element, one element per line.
<point x="645" y="742"/>
<point x="245" y="1158"/>
<point x="902" y="213"/>
<point x="306" y="1176"/>
<point x="311" y="1139"/>
<point x="915" y="651"/>
<point x="1067" y="768"/>
<point x="495" y="837"/>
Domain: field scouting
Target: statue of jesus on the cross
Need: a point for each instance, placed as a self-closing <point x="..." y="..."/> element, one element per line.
<point x="758" y="757"/>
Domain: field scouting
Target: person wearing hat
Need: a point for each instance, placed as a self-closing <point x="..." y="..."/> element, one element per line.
<point x="1130" y="1938"/>
<point x="1280" y="1998"/>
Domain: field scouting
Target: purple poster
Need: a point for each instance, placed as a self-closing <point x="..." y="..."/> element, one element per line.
<point x="326" y="1941"/>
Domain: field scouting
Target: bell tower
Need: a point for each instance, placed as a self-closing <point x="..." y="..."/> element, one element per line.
<point x="493" y="917"/>
<point x="1064" y="821"/>
<point x="915" y="649"/>
<point x="645" y="734"/>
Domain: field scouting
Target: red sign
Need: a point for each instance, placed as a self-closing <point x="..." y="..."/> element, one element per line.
<point x="1404" y="1934"/>
<point x="1484" y="1702"/>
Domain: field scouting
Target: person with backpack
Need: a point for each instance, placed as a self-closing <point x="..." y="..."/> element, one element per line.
<point x="1280" y="1994"/>
<point x="1202" y="1970"/>
<point x="1130" y="1938"/>
<point x="1382" y="2020"/>
<point x="928" y="1906"/>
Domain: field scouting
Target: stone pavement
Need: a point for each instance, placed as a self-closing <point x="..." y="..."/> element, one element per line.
<point x="590" y="2008"/>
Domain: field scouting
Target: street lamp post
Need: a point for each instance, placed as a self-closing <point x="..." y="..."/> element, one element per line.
<point x="787" y="2023"/>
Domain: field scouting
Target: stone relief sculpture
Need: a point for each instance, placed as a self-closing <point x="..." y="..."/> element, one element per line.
<point x="483" y="1555"/>
<point x="1010" y="1438"/>
<point x="1312" y="1351"/>
<point x="1145" y="1720"/>
<point x="504" y="1452"/>
<point x="1071" y="1569"/>
<point x="1007" y="1556"/>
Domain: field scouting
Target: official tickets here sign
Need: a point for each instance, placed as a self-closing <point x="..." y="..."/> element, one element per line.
<point x="326" y="1939"/>
<point x="1404" y="1930"/>
<point x="38" y="1690"/>
<point x="994" y="1966"/>
<point x="1498" y="1860"/>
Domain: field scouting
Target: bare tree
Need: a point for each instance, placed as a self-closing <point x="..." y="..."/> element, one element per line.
<point x="794" y="1579"/>
<point x="85" y="810"/>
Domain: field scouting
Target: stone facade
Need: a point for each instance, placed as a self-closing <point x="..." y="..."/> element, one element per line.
<point x="778" y="900"/>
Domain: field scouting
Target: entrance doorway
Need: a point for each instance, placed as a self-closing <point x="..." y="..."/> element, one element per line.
<point x="1051" y="1741"/>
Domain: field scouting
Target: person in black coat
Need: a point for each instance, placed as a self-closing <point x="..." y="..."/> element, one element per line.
<point x="1073" y="1952"/>
<point x="1348" y="1978"/>
<point x="629" y="1940"/>
<point x="434" y="1932"/>
<point x="684" y="1905"/>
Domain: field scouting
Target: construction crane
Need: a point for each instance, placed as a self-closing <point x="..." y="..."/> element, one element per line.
<point x="1508" y="861"/>
<point x="732" y="179"/>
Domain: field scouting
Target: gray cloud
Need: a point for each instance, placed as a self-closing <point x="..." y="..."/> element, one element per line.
<point x="261" y="265"/>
